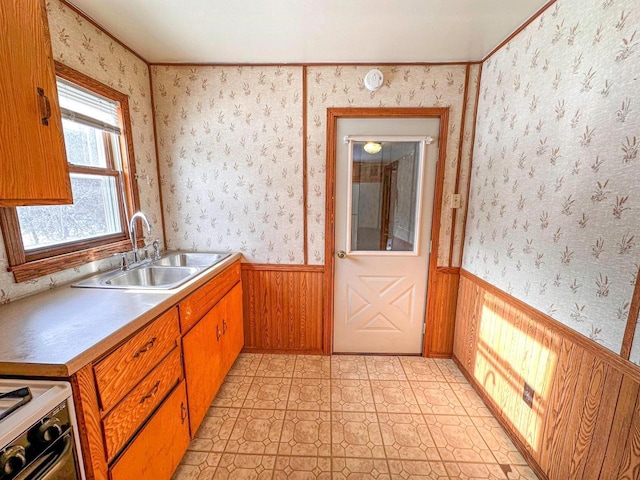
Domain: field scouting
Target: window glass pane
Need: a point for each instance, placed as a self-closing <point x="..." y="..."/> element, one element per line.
<point x="94" y="213"/>
<point x="384" y="196"/>
<point x="84" y="145"/>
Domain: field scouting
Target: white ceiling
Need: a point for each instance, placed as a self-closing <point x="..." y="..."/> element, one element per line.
<point x="310" y="31"/>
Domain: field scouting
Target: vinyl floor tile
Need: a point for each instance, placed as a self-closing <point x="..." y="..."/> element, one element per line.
<point x="355" y="417"/>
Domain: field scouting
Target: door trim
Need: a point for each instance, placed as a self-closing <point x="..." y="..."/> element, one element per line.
<point x="333" y="114"/>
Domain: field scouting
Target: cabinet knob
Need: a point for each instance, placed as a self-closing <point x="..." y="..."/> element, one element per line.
<point x="217" y="333"/>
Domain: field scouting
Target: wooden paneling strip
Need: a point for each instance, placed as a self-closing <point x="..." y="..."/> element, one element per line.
<point x="604" y="422"/>
<point x="283" y="308"/>
<point x="627" y="401"/>
<point x="442" y="297"/>
<point x="305" y="181"/>
<point x="630" y="468"/>
<point x="584" y="422"/>
<point x="561" y="458"/>
<point x="587" y="424"/>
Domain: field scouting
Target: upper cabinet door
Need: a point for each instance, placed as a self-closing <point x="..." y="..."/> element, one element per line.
<point x="33" y="163"/>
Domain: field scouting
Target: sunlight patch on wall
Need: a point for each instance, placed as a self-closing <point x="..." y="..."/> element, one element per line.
<point x="515" y="367"/>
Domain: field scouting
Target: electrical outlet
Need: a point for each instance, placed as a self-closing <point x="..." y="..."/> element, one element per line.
<point x="456" y="200"/>
<point x="527" y="394"/>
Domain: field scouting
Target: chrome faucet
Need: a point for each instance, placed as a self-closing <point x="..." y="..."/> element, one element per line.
<point x="134" y="234"/>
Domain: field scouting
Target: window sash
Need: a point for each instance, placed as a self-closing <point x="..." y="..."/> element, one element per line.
<point x="89" y="121"/>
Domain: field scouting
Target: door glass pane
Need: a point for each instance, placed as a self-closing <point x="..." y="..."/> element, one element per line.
<point x="385" y="192"/>
<point x="94" y="213"/>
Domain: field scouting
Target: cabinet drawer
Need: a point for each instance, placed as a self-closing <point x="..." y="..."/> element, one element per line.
<point x="118" y="373"/>
<point x="156" y="451"/>
<point x="127" y="417"/>
<point x="200" y="302"/>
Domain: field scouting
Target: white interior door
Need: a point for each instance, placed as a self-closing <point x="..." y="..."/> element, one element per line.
<point x="383" y="212"/>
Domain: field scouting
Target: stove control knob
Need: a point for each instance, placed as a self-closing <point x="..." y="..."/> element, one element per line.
<point x="12" y="460"/>
<point x="49" y="430"/>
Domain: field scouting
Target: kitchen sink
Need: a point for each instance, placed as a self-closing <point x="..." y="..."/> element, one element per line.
<point x="166" y="273"/>
<point x="191" y="259"/>
<point x="152" y="276"/>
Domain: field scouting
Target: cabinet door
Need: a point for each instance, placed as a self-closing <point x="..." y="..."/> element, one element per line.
<point x="33" y="163"/>
<point x="233" y="326"/>
<point x="203" y="364"/>
<point x="156" y="451"/>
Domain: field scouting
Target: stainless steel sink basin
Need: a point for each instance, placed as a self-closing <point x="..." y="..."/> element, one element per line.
<point x="191" y="259"/>
<point x="168" y="272"/>
<point x="151" y="276"/>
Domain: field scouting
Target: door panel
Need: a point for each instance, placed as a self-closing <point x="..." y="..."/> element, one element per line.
<point x="384" y="204"/>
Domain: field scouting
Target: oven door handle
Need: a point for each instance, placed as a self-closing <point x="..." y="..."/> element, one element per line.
<point x="50" y="463"/>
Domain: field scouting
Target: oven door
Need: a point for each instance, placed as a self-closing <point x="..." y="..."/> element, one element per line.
<point x="57" y="462"/>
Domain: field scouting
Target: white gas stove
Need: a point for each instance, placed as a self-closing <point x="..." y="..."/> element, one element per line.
<point x="38" y="438"/>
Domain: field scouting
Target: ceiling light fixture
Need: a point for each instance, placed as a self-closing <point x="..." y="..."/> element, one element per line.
<point x="372" y="147"/>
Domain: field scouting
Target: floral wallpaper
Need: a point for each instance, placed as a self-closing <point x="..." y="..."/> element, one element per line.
<point x="79" y="44"/>
<point x="465" y="162"/>
<point x="404" y="86"/>
<point x="230" y="149"/>
<point x="554" y="212"/>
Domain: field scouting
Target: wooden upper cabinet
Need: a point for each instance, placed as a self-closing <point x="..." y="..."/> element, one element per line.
<point x="33" y="162"/>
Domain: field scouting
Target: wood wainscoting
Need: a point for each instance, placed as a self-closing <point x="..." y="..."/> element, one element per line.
<point x="584" y="418"/>
<point x="283" y="308"/>
<point x="442" y="297"/>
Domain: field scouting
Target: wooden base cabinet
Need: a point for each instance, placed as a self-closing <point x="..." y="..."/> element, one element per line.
<point x="209" y="350"/>
<point x="139" y="404"/>
<point x="156" y="451"/>
<point x="232" y="327"/>
<point x="202" y="350"/>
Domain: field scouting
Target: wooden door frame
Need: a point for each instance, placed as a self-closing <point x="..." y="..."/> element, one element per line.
<point x="333" y="114"/>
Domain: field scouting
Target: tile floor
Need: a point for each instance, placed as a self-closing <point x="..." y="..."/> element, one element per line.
<point x="349" y="417"/>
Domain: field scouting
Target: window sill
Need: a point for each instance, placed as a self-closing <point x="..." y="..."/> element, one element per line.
<point x="47" y="266"/>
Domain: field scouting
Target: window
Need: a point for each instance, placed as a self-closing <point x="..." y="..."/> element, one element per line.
<point x="45" y="239"/>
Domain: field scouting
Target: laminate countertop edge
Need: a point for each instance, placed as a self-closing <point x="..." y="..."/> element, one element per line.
<point x="54" y="334"/>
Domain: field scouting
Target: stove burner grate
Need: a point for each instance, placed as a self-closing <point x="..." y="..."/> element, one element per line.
<point x="23" y="396"/>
